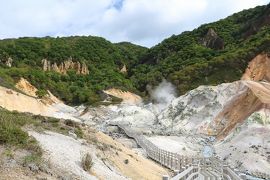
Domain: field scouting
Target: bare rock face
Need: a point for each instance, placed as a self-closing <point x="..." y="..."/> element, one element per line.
<point x="195" y="110"/>
<point x="258" y="69"/>
<point x="63" y="67"/>
<point x="127" y="97"/>
<point x="26" y="87"/>
<point x="84" y="69"/>
<point x="256" y="97"/>
<point x="124" y="69"/>
<point x="234" y="113"/>
<point x="219" y="110"/>
<point x="215" y="110"/>
<point x="212" y="40"/>
<point x="8" y="62"/>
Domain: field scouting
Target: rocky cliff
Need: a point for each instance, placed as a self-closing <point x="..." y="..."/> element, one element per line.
<point x="49" y="105"/>
<point x="26" y="87"/>
<point x="218" y="110"/>
<point x="127" y="97"/>
<point x="63" y="67"/>
<point x="255" y="97"/>
<point x="249" y="144"/>
<point x="8" y="61"/>
<point x="215" y="110"/>
<point x="212" y="40"/>
<point x="258" y="69"/>
<point x="124" y="69"/>
<point x="193" y="111"/>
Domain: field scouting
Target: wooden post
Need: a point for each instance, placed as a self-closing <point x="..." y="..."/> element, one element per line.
<point x="243" y="176"/>
<point x="165" y="177"/>
<point x="176" y="172"/>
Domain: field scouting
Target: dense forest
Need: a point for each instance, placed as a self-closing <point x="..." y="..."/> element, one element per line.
<point x="187" y="62"/>
<point x="211" y="54"/>
<point x="103" y="58"/>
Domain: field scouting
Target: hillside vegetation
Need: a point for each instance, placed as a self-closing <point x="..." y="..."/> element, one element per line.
<point x="211" y="54"/>
<point x="187" y="62"/>
<point x="103" y="59"/>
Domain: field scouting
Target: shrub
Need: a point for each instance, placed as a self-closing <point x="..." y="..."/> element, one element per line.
<point x="32" y="158"/>
<point x="71" y="123"/>
<point x="126" y="161"/>
<point x="87" y="162"/>
<point x="11" y="133"/>
<point x="41" y="93"/>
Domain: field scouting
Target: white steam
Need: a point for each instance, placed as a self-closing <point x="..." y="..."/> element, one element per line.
<point x="163" y="94"/>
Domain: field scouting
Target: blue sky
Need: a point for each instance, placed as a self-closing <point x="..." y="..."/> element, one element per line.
<point x="144" y="22"/>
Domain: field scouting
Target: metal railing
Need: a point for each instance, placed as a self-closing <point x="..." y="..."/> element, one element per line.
<point x="168" y="159"/>
<point x="189" y="167"/>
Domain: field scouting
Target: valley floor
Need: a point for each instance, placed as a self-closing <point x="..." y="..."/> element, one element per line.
<point x="114" y="156"/>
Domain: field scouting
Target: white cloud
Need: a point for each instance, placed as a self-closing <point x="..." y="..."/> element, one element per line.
<point x="144" y="22"/>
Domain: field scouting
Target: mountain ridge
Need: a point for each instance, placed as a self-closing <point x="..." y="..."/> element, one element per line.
<point x="188" y="63"/>
<point x="211" y="54"/>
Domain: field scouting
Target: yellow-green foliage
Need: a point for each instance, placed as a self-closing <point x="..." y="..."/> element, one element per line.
<point x="11" y="124"/>
<point x="10" y="128"/>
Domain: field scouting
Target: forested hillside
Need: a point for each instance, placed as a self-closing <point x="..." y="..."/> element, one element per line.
<point x="211" y="54"/>
<point x="103" y="59"/>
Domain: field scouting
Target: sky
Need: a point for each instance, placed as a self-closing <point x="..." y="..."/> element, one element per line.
<point x="143" y="22"/>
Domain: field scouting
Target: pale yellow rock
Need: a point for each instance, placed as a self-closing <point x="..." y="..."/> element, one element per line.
<point x="63" y="67"/>
<point x="137" y="166"/>
<point x="127" y="96"/>
<point x="124" y="69"/>
<point x="12" y="100"/>
<point x="258" y="69"/>
<point x="26" y="87"/>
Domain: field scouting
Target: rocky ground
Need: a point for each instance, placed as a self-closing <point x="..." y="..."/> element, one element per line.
<point x="191" y="118"/>
<point x="63" y="153"/>
<point x="62" y="159"/>
<point x="183" y="125"/>
<point x="13" y="166"/>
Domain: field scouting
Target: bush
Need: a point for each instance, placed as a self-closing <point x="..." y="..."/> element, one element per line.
<point x="11" y="133"/>
<point x="126" y="161"/>
<point x="41" y="93"/>
<point x="71" y="123"/>
<point x="87" y="162"/>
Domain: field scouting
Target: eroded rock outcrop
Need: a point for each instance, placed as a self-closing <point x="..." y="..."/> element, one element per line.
<point x="248" y="144"/>
<point x="256" y="97"/>
<point x="218" y="110"/>
<point x="63" y="67"/>
<point x="212" y="40"/>
<point x="26" y="87"/>
<point x="234" y="113"/>
<point x="193" y="111"/>
<point x="124" y="69"/>
<point x="258" y="69"/>
<point x="14" y="101"/>
<point x="127" y="97"/>
<point x="215" y="110"/>
<point x="8" y="61"/>
<point x="47" y="106"/>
